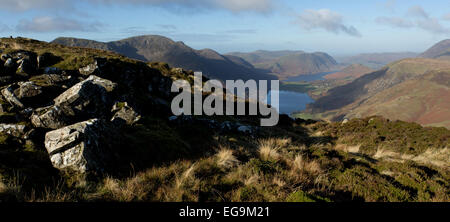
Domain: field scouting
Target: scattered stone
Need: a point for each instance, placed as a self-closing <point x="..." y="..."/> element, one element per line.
<point x="27" y="90"/>
<point x="9" y="96"/>
<point x="10" y="66"/>
<point x="124" y="114"/>
<point x="52" y="70"/>
<point x="246" y="129"/>
<point x="93" y="69"/>
<point x="15" y="130"/>
<point x="26" y="67"/>
<point x="81" y="147"/>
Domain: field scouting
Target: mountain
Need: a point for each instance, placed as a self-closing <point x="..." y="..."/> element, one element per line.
<point x="286" y="64"/>
<point x="350" y="72"/>
<point x="177" y="54"/>
<point x="87" y="125"/>
<point x="411" y="90"/>
<point x="264" y="56"/>
<point x="375" y="60"/>
<point x="440" y="50"/>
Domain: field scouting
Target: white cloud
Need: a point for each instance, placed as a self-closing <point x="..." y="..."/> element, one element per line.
<point x="416" y="17"/>
<point x="50" y="24"/>
<point x="390" y="5"/>
<point x="24" y="5"/>
<point x="327" y="20"/>
<point x="229" y="5"/>
<point x="417" y="11"/>
<point x="395" y="22"/>
<point x="432" y="25"/>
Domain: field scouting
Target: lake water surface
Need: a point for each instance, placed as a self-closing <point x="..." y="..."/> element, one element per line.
<point x="293" y="101"/>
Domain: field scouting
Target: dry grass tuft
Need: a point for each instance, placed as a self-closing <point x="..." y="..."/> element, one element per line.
<point x="268" y="148"/>
<point x="225" y="158"/>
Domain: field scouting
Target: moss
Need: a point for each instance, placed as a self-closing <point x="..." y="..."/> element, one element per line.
<point x="264" y="167"/>
<point x="300" y="196"/>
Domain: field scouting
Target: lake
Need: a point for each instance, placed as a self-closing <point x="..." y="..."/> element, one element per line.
<point x="293" y="101"/>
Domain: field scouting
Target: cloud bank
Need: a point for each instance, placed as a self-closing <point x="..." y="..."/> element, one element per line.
<point x="416" y="17"/>
<point x="236" y="6"/>
<point x="55" y="24"/>
<point x="327" y="20"/>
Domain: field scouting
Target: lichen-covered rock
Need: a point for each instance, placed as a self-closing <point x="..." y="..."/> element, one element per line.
<point x="26" y="67"/>
<point x="15" y="93"/>
<point x="27" y="90"/>
<point x="87" y="99"/>
<point x="94" y="68"/>
<point x="124" y="114"/>
<point x="10" y="66"/>
<point x="15" y="130"/>
<point x="81" y="147"/>
<point x="9" y="96"/>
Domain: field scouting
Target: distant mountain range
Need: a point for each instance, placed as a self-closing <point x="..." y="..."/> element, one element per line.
<point x="375" y="60"/>
<point x="177" y="54"/>
<point x="286" y="64"/>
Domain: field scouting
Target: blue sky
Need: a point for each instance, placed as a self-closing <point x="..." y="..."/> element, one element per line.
<point x="341" y="27"/>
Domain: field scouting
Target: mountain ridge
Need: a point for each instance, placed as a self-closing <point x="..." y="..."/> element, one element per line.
<point x="177" y="54"/>
<point x="289" y="63"/>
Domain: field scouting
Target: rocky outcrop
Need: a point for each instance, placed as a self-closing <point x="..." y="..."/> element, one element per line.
<point x="19" y="92"/>
<point x="81" y="147"/>
<point x="88" y="99"/>
<point x="124" y="114"/>
<point x="47" y="59"/>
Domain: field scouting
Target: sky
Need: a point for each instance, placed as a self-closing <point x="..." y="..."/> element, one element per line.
<point x="343" y="27"/>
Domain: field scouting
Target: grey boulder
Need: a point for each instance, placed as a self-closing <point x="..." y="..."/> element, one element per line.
<point x="82" y="147"/>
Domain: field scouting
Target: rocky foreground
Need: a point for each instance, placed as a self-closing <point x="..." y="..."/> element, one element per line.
<point x="89" y="125"/>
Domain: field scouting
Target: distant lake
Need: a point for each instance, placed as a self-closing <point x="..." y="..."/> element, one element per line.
<point x="291" y="101"/>
<point x="307" y="78"/>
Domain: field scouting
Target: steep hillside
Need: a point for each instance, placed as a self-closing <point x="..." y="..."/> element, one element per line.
<point x="85" y="125"/>
<point x="440" y="50"/>
<point x="402" y="90"/>
<point x="350" y="72"/>
<point x="375" y="60"/>
<point x="177" y="54"/>
<point x="285" y="64"/>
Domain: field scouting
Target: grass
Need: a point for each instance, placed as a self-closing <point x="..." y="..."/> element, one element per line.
<point x="300" y="87"/>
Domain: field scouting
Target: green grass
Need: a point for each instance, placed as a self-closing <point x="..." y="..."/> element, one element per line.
<point x="300" y="87"/>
